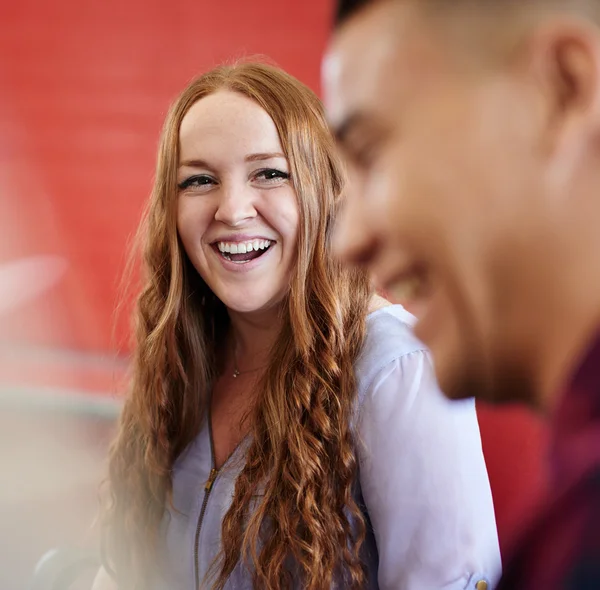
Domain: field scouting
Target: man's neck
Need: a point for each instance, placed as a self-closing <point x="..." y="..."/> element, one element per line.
<point x="572" y="309"/>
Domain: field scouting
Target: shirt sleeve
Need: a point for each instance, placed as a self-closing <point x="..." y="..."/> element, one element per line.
<point x="424" y="483"/>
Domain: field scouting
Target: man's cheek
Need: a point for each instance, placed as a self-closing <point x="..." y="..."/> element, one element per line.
<point x="382" y="211"/>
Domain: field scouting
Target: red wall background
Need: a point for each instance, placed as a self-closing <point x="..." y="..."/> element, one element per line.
<point x="84" y="87"/>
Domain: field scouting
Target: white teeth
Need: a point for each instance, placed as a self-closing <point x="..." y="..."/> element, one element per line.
<point x="406" y="289"/>
<point x="243" y="247"/>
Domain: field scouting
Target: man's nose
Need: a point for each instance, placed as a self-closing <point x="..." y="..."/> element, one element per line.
<point x="354" y="240"/>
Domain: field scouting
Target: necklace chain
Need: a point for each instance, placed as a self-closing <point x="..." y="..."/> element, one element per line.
<point x="236" y="372"/>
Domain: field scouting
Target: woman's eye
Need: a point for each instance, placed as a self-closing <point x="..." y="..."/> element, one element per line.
<point x="270" y="175"/>
<point x="200" y="180"/>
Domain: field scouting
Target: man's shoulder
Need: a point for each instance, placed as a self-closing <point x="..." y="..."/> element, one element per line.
<point x="562" y="549"/>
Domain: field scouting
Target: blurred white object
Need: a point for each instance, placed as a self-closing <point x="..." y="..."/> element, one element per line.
<point x="25" y="279"/>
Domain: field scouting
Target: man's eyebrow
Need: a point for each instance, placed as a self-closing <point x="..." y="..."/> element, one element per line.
<point x="348" y="126"/>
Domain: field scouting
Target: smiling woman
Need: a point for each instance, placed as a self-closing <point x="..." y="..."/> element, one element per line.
<point x="237" y="208"/>
<point x="266" y="373"/>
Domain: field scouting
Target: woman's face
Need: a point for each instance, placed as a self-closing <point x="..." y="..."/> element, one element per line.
<point x="237" y="212"/>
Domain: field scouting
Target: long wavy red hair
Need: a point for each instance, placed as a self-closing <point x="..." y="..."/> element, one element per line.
<point x="302" y="455"/>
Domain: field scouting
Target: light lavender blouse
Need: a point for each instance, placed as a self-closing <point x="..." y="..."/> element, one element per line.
<point x="422" y="481"/>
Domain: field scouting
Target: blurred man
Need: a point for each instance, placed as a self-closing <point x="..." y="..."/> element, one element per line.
<point x="471" y="129"/>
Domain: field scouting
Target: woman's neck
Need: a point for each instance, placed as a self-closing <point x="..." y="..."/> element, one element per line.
<point x="253" y="334"/>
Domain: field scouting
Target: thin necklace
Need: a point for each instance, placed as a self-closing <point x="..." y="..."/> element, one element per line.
<point x="236" y="372"/>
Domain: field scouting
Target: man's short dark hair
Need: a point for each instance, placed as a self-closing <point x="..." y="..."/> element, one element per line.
<point x="346" y="8"/>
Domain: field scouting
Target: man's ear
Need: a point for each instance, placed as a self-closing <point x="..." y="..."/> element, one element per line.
<point x="564" y="58"/>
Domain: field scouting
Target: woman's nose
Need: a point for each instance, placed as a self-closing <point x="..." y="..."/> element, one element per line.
<point x="236" y="204"/>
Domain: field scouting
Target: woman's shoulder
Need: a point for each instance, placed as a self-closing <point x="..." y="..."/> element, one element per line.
<point x="389" y="337"/>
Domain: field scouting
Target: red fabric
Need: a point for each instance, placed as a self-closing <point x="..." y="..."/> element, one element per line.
<point x="561" y="551"/>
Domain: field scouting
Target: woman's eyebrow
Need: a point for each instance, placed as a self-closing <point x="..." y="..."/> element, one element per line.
<point x="265" y="156"/>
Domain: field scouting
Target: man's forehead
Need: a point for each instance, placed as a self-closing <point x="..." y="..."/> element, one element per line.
<point x="366" y="57"/>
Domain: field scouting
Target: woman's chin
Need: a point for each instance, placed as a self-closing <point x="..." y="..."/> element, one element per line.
<point x="251" y="305"/>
